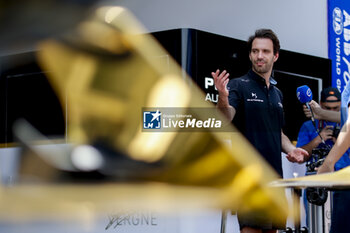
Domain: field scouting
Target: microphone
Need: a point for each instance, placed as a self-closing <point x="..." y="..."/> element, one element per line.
<point x="304" y="95"/>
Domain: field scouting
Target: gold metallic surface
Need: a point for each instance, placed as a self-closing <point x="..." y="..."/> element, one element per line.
<point x="335" y="180"/>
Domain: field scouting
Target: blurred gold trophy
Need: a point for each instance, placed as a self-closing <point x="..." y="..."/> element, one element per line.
<point x="106" y="73"/>
<point x="335" y="180"/>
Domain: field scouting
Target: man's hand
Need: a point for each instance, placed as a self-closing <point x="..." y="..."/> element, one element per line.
<point x="221" y="80"/>
<point x="321" y="114"/>
<point x="327" y="132"/>
<point x="298" y="155"/>
<point x="316" y="109"/>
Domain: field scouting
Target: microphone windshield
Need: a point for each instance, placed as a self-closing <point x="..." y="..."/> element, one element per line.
<point x="304" y="94"/>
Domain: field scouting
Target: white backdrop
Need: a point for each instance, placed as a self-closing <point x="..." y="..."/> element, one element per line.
<point x="301" y="25"/>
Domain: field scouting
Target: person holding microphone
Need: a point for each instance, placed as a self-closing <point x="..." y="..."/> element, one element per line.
<point x="337" y="158"/>
<point x="321" y="132"/>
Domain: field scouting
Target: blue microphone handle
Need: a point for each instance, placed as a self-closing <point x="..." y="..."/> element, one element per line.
<point x="314" y="123"/>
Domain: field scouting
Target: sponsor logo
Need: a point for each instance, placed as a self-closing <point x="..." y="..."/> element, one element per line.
<point x="309" y="92"/>
<point x="337" y="21"/>
<point x="210" y="89"/>
<point x="255" y="98"/>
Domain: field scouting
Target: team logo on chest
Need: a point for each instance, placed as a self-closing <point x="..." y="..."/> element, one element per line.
<point x="254" y="98"/>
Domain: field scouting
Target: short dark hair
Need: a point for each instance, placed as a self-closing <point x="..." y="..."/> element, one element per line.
<point x="265" y="33"/>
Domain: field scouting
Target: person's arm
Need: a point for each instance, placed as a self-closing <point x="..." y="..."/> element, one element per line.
<point x="294" y="154"/>
<point x="326" y="133"/>
<point x="221" y="80"/>
<point x="320" y="113"/>
<point x="339" y="148"/>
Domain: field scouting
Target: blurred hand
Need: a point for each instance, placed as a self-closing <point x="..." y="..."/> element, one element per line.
<point x="298" y="155"/>
<point x="327" y="132"/>
<point x="316" y="109"/>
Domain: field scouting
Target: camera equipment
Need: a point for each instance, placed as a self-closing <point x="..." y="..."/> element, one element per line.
<point x="336" y="131"/>
<point x="316" y="159"/>
<point x="316" y="196"/>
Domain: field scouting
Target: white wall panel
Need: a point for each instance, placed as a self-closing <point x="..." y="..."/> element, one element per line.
<point x="301" y="25"/>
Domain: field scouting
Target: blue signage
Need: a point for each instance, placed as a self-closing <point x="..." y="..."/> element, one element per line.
<point x="339" y="41"/>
